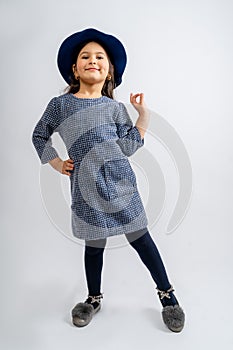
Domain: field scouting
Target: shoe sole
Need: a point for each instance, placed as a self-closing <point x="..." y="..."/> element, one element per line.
<point x="176" y="330"/>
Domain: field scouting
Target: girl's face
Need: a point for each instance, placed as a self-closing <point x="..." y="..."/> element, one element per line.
<point x="92" y="65"/>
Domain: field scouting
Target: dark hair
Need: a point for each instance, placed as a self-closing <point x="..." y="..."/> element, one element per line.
<point x="109" y="85"/>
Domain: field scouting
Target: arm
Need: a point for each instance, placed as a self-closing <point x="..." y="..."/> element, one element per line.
<point x="129" y="136"/>
<point x="143" y="118"/>
<point x="41" y="136"/>
<point x="42" y="142"/>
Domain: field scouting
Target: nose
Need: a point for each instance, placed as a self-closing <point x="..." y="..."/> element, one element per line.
<point x="92" y="60"/>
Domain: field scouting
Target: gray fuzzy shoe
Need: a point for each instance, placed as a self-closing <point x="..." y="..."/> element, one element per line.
<point x="172" y="314"/>
<point x="173" y="317"/>
<point x="82" y="313"/>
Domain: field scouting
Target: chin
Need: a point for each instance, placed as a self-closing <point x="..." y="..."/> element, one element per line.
<point x="93" y="81"/>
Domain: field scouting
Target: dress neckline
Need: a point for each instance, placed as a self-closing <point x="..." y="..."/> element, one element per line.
<point x="86" y="98"/>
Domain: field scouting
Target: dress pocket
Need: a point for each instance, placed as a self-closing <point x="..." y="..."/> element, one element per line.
<point x="119" y="177"/>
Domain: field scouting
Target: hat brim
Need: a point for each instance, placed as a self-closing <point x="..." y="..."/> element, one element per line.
<point x="111" y="44"/>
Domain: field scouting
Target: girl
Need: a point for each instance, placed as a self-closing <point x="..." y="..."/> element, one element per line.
<point x="99" y="137"/>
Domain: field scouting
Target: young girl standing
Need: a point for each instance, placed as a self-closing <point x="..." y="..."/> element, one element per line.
<point x="99" y="137"/>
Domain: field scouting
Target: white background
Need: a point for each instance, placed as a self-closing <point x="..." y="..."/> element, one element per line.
<point x="180" y="55"/>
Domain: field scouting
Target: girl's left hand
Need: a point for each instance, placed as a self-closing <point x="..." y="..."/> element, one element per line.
<point x="138" y="105"/>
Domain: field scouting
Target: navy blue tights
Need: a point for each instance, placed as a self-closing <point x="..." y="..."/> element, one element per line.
<point x="147" y="251"/>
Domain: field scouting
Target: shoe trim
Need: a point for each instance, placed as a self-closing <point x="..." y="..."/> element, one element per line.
<point x="165" y="293"/>
<point x="94" y="298"/>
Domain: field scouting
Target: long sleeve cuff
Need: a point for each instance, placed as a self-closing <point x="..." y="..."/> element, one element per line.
<point x="131" y="142"/>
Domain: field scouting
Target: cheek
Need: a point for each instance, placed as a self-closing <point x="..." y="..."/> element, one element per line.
<point x="105" y="65"/>
<point x="79" y="65"/>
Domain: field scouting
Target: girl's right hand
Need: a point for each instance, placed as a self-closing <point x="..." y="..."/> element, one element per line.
<point x="67" y="166"/>
<point x="63" y="167"/>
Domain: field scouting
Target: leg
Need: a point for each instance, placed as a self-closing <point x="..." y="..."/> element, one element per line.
<point x="93" y="259"/>
<point x="150" y="256"/>
<point x="173" y="315"/>
<point x="82" y="313"/>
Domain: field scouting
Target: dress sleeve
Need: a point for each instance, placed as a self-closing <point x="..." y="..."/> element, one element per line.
<point x="129" y="136"/>
<point x="41" y="136"/>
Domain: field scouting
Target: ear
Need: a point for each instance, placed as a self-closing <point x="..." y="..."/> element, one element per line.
<point x="74" y="68"/>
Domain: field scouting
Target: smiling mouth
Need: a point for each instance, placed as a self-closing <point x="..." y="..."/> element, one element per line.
<point x="92" y="69"/>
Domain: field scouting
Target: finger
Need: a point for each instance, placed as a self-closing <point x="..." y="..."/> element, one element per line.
<point x="65" y="168"/>
<point x="66" y="173"/>
<point x="134" y="99"/>
<point x="69" y="165"/>
<point x="142" y="98"/>
<point x="135" y="96"/>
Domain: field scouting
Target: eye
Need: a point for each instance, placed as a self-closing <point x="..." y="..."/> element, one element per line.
<point x="99" y="57"/>
<point x="85" y="57"/>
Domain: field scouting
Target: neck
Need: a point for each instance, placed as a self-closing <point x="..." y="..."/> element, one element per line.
<point x="90" y="91"/>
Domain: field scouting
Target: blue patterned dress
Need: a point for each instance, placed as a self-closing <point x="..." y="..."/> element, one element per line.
<point x="99" y="136"/>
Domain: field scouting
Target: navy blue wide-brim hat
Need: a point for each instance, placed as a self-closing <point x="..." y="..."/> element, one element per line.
<point x="71" y="45"/>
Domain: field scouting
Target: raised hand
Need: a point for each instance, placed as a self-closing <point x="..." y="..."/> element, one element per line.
<point x="142" y="122"/>
<point x="137" y="101"/>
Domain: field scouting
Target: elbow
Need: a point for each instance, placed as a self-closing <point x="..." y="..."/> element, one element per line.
<point x="34" y="139"/>
<point x="34" y="136"/>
